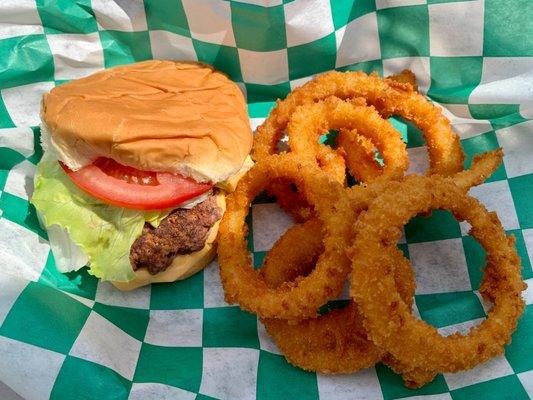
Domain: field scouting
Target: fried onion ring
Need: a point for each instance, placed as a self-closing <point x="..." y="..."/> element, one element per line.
<point x="293" y="300"/>
<point x="387" y="95"/>
<point x="332" y="343"/>
<point x="388" y="319"/>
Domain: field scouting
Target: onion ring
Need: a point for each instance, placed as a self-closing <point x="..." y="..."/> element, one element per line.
<point x="332" y="343"/>
<point x="310" y="121"/>
<point x="388" y="319"/>
<point x="388" y="96"/>
<point x="294" y="300"/>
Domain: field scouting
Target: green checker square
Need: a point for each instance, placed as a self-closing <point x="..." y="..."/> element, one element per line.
<point x="413" y="136"/>
<point x="37" y="148"/>
<point x="522" y="343"/>
<point x="277" y="379"/>
<point x="5" y="118"/>
<point x="345" y="11"/>
<point x="201" y="396"/>
<point x="508" y="29"/>
<point x="258" y="28"/>
<point x="46" y="318"/>
<point x="403" y="128"/>
<point x="259" y="257"/>
<point x="440" y="225"/>
<point x="312" y="58"/>
<point x="180" y="295"/>
<point x="224" y="58"/>
<point x="508" y="120"/>
<point x="266" y="93"/>
<point x="84" y="380"/>
<point x="229" y="327"/>
<point x="250" y="236"/>
<point x="259" y="110"/>
<point x="133" y="321"/>
<point x="25" y="60"/>
<point x="77" y="282"/>
<point x="508" y="387"/>
<point x="480" y="144"/>
<point x="175" y="366"/>
<point x="22" y="212"/>
<point x="8" y="159"/>
<point x="125" y="47"/>
<point x="365" y="66"/>
<point x="444" y="309"/>
<point x="392" y="385"/>
<point x="404" y="31"/>
<point x="522" y="192"/>
<point x="67" y="16"/>
<point x="166" y="16"/>
<point x="493" y="111"/>
<point x="476" y="257"/>
<point x="454" y="78"/>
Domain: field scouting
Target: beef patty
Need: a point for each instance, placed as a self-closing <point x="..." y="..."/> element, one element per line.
<point x="183" y="231"/>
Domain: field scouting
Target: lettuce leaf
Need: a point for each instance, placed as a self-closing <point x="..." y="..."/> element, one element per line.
<point x="104" y="232"/>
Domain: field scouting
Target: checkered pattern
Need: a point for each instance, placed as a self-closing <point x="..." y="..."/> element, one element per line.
<point x="69" y="336"/>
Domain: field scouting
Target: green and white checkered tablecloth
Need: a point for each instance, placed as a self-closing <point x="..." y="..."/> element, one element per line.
<point x="71" y="337"/>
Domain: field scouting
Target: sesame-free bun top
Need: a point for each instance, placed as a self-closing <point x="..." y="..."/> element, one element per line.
<point x="166" y="116"/>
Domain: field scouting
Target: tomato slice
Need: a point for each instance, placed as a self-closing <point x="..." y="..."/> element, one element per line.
<point x="128" y="187"/>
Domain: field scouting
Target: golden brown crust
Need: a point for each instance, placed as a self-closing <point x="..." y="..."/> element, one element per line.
<point x="156" y="115"/>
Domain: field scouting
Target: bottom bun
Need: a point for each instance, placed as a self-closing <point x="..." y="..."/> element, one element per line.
<point x="183" y="265"/>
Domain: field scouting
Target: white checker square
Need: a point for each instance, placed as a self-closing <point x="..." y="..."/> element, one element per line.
<point x="265" y="67"/>
<point x="462" y="327"/>
<point x="104" y="343"/>
<point x="418" y="160"/>
<point x="299" y="82"/>
<point x="526" y="111"/>
<point x="528" y="239"/>
<point x="527" y="294"/>
<point x="380" y="4"/>
<point x="358" y="41"/>
<point x="10" y="289"/>
<point x="210" y="21"/>
<point x="517" y="144"/>
<point x="264" y="3"/>
<point x="108" y="294"/>
<point x="175" y="328"/>
<point x="458" y="111"/>
<point x="171" y="46"/>
<point x="76" y="55"/>
<point x="265" y="340"/>
<point x="456" y="29"/>
<point x="492" y="369"/>
<point x="23" y="252"/>
<point x="255" y="122"/>
<point x="23" y="103"/>
<point x="504" y="80"/>
<point x="440" y="266"/>
<point x="18" y="139"/>
<point x="158" y="391"/>
<point x="470" y="128"/>
<point x="496" y="196"/>
<point x="120" y="15"/>
<point x="230" y="373"/>
<point x="6" y="393"/>
<point x="526" y="378"/>
<point x="19" y="18"/>
<point x="486" y="304"/>
<point x="419" y="66"/>
<point x="307" y="21"/>
<point x="364" y="385"/>
<point x="87" y="302"/>
<point x="269" y="223"/>
<point x="22" y="364"/>
<point x="20" y="180"/>
<point x="213" y="292"/>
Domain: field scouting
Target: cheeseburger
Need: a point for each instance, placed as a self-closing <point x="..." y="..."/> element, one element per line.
<point x="137" y="161"/>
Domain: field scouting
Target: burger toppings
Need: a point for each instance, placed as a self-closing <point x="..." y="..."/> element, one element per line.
<point x="183" y="231"/>
<point x="128" y="187"/>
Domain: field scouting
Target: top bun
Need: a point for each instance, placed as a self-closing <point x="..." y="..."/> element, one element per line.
<point x="166" y="116"/>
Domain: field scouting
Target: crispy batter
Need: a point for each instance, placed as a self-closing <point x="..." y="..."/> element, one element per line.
<point x="294" y="300"/>
<point x="414" y="343"/>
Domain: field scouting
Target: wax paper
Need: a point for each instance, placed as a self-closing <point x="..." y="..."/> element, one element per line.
<point x="68" y="336"/>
